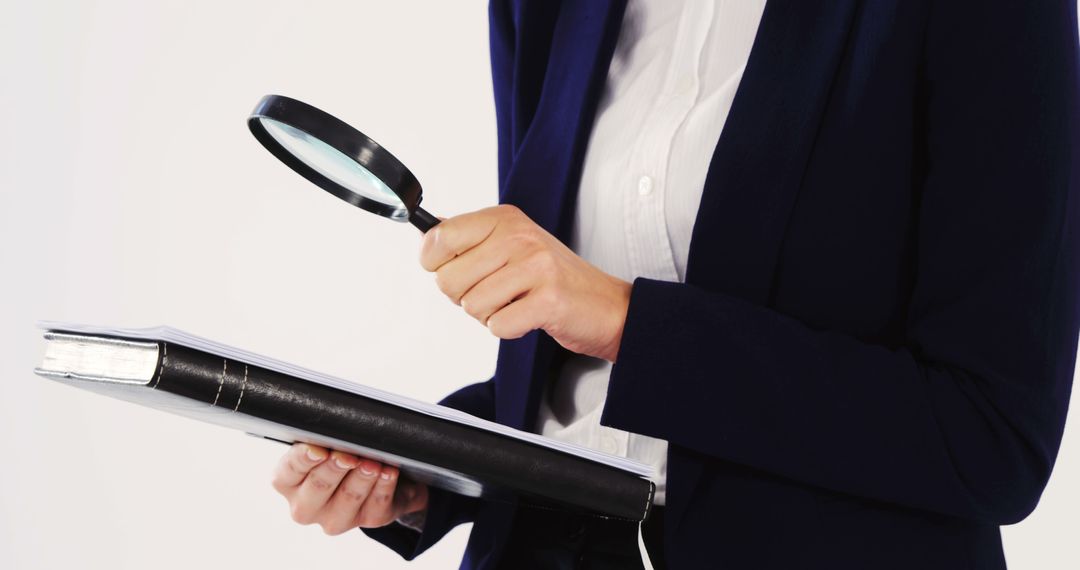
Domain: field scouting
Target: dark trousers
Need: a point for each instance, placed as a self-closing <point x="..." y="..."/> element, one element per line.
<point x="556" y="540"/>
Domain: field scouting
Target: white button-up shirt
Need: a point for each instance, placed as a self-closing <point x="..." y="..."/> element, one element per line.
<point x="669" y="88"/>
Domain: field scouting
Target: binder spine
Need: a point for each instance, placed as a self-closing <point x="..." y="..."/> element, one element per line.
<point x="502" y="463"/>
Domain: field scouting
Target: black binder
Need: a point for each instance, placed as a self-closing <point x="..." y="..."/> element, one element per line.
<point x="176" y="372"/>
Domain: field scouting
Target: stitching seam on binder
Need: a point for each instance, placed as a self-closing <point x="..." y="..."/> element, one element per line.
<point x="221" y="383"/>
<point x="648" y="501"/>
<point x="164" y="361"/>
<point x="243" y="383"/>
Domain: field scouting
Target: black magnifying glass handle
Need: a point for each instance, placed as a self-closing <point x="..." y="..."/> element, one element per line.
<point x="423" y="220"/>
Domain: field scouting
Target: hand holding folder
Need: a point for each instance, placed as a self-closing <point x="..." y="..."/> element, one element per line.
<point x="340" y="491"/>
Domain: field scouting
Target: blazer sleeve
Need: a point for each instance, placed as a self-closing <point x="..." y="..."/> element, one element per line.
<point x="965" y="418"/>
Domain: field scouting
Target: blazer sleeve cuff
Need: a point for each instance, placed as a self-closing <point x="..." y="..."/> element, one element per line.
<point x="446" y="510"/>
<point x="637" y="390"/>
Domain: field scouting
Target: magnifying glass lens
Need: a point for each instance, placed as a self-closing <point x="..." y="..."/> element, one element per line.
<point x="339" y="159"/>
<point x="334" y="165"/>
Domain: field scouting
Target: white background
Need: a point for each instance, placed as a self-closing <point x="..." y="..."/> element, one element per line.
<point x="131" y="193"/>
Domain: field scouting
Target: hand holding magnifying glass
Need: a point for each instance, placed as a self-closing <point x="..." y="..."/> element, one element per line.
<point x="505" y="271"/>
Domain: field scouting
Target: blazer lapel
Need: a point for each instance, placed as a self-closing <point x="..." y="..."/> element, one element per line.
<point x="543" y="180"/>
<point x="544" y="177"/>
<point x="758" y="164"/>
<point x="762" y="153"/>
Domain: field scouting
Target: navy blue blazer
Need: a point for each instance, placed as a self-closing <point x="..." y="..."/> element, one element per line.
<point x="869" y="363"/>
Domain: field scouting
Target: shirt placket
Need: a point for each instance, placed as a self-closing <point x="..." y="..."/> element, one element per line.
<point x="645" y="224"/>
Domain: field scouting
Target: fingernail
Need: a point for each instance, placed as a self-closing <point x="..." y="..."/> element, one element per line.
<point x="315" y="455"/>
<point x="341" y="463"/>
<point x="385" y="476"/>
<point x="366" y="470"/>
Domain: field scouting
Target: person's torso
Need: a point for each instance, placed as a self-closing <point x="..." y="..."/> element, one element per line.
<point x="668" y="90"/>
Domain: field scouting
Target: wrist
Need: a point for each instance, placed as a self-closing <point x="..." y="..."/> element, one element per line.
<point x="622" y="293"/>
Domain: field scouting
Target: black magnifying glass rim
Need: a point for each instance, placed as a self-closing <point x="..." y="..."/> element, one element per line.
<point x="343" y="138"/>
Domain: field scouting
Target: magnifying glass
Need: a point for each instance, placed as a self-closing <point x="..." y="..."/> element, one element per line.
<point x="339" y="159"/>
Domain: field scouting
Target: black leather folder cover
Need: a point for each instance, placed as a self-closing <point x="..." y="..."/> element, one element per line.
<point x="452" y="455"/>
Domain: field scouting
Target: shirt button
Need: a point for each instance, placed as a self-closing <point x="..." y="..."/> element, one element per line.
<point x="609" y="445"/>
<point x="644" y="186"/>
